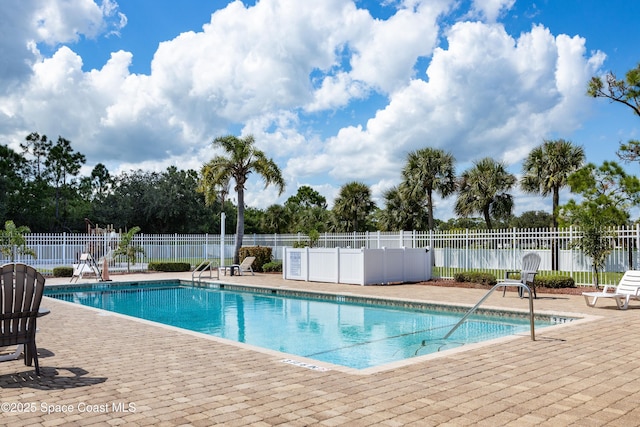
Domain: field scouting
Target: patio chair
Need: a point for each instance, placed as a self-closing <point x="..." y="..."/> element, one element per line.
<point x="530" y="265"/>
<point x="628" y="288"/>
<point x="244" y="266"/>
<point x="21" y="289"/>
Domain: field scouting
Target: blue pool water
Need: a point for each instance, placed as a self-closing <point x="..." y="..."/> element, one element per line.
<point x="356" y="335"/>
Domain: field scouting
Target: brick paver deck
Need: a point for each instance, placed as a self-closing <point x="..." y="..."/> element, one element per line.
<point x="106" y="369"/>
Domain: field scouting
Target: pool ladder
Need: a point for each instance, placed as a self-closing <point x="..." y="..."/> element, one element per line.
<point x="499" y="285"/>
<point x="204" y="266"/>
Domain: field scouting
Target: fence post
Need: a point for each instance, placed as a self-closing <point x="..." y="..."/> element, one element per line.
<point x="513" y="247"/>
<point x="337" y="264"/>
<point x="306" y="252"/>
<point x="64" y="248"/>
<point x="466" y="249"/>
<point x="637" y="243"/>
<point x="571" y="249"/>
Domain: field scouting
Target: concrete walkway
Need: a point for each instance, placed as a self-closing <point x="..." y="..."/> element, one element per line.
<point x="106" y="369"/>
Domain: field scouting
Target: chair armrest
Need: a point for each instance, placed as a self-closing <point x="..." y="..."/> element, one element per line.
<point x="510" y="272"/>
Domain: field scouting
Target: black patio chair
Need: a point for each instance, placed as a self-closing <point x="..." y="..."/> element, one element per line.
<point x="21" y="289"/>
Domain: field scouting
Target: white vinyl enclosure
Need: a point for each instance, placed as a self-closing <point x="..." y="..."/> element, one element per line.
<point x="357" y="266"/>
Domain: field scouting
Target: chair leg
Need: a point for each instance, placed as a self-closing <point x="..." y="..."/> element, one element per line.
<point x="33" y="350"/>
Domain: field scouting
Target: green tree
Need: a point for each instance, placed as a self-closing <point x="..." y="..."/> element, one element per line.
<point x="483" y="188"/>
<point x="307" y="211"/>
<point x="626" y="92"/>
<point x="427" y="171"/>
<point x="253" y="219"/>
<point x="163" y="202"/>
<point x="307" y="197"/>
<point x="276" y="219"/>
<point x="463" y="224"/>
<point x="607" y="193"/>
<point x="547" y="168"/>
<point x="128" y="249"/>
<point x="61" y="164"/>
<point x="402" y="212"/>
<point x="13" y="174"/>
<point x="38" y="147"/>
<point x="101" y="181"/>
<point x="532" y="219"/>
<point x="353" y="206"/>
<point x="242" y="158"/>
<point x="12" y="241"/>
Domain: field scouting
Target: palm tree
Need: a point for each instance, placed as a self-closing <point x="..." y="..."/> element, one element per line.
<point x="401" y="212"/>
<point x="428" y="170"/>
<point x="353" y="205"/>
<point x="241" y="160"/>
<point x="128" y="249"/>
<point x="483" y="189"/>
<point x="547" y="168"/>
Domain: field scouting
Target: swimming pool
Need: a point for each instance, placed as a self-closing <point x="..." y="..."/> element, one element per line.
<point x="348" y="331"/>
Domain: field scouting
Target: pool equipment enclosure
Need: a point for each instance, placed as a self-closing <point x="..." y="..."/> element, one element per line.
<point x="357" y="266"/>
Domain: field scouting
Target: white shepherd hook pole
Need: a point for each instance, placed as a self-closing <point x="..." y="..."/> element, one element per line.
<point x="222" y="218"/>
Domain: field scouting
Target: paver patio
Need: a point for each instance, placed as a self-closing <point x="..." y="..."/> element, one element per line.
<point x="112" y="370"/>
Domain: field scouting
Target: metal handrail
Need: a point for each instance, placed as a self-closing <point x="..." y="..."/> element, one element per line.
<point x="499" y="285"/>
<point x="202" y="267"/>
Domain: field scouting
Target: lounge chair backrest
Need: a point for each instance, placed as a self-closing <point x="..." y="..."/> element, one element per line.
<point x="247" y="262"/>
<point x="630" y="283"/>
<point x="21" y="289"/>
<point x="530" y="265"/>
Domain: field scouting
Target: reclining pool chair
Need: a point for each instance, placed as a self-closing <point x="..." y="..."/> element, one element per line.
<point x="530" y="265"/>
<point x="627" y="289"/>
<point x="21" y="289"/>
<point x="244" y="266"/>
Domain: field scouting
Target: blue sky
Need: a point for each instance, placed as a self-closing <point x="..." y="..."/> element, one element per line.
<point x="333" y="90"/>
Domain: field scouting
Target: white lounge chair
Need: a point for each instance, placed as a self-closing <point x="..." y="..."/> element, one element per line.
<point x="530" y="264"/>
<point x="243" y="267"/>
<point x="627" y="289"/>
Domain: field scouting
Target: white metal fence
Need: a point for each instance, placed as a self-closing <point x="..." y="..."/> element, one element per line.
<point x="460" y="250"/>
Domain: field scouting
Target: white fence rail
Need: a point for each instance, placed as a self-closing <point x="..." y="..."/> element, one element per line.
<point x="452" y="251"/>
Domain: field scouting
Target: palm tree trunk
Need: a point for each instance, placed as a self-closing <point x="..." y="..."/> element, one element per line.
<point x="555" y="255"/>
<point x="239" y="226"/>
<point x="430" y="208"/>
<point x="487" y="217"/>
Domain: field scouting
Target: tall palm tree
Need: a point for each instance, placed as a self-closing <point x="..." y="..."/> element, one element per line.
<point x="427" y="171"/>
<point x="242" y="158"/>
<point x="547" y="168"/>
<point x="353" y="205"/>
<point x="483" y="189"/>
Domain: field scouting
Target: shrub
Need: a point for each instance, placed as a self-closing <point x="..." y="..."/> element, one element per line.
<point x="169" y="266"/>
<point x="262" y="254"/>
<point x="273" y="267"/>
<point x="476" y="277"/>
<point x="63" y="272"/>
<point x="554" y="282"/>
